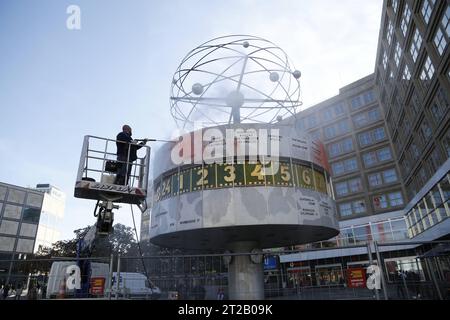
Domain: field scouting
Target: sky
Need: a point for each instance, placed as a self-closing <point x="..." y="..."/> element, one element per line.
<point x="58" y="85"/>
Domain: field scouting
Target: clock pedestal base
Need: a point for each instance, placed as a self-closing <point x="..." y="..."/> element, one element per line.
<point x="245" y="272"/>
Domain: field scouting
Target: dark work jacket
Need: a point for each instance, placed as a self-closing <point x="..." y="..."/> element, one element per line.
<point x="122" y="148"/>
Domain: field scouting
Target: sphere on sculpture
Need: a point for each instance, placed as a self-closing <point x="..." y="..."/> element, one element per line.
<point x="197" y="89"/>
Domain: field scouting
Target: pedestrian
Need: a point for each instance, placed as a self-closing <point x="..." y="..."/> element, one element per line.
<point x="400" y="280"/>
<point x="44" y="291"/>
<point x="39" y="291"/>
<point x="416" y="284"/>
<point x="220" y="294"/>
<point x="5" y="291"/>
<point x="32" y="292"/>
<point x="18" y="291"/>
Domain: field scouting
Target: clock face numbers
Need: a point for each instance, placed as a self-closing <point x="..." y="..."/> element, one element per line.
<point x="243" y="174"/>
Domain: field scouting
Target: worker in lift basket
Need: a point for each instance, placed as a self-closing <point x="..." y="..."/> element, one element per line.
<point x="123" y="143"/>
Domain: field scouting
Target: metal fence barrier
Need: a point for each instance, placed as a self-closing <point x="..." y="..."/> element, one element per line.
<point x="407" y="270"/>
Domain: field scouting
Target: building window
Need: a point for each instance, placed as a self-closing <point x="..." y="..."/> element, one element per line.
<point x="364" y="139"/>
<point x="384" y="154"/>
<point x="345" y="209"/>
<point x="343" y="127"/>
<point x="357" y="103"/>
<point x="362" y="119"/>
<point x="345" y="166"/>
<point x="442" y="98"/>
<point x="414" y="102"/>
<point x="359" y="206"/>
<point x="406" y="74"/>
<point x="367" y="138"/>
<point x="435" y="159"/>
<point x="439" y="106"/>
<point x="310" y="121"/>
<point x="355" y="185"/>
<point x="339" y="109"/>
<point x="334" y="150"/>
<point x="362" y="100"/>
<point x="416" y="43"/>
<point x="31" y="215"/>
<point x="34" y="200"/>
<point x="415" y="151"/>
<point x="426" y="130"/>
<point x="427" y="9"/>
<point x="423" y="175"/>
<point x="12" y="211"/>
<point x="443" y="32"/>
<point x="389" y="176"/>
<point x="440" y="42"/>
<point x="395" y="199"/>
<point x="385" y="60"/>
<point x="341" y="188"/>
<point x="384" y="177"/>
<point x="368" y="97"/>
<point x="437" y="112"/>
<point x="369" y="159"/>
<point x="330" y="132"/>
<point x="7" y="244"/>
<point x="375" y="179"/>
<point x="446" y="143"/>
<point x="355" y="207"/>
<point x="379" y="134"/>
<point x="300" y="124"/>
<point x="395" y="5"/>
<point x="9" y="227"/>
<point x="16" y="196"/>
<point x="328" y="114"/>
<point x="340" y="147"/>
<point x="380" y="202"/>
<point x="390" y="32"/>
<point x="338" y="168"/>
<point x="333" y="111"/>
<point x="337" y="129"/>
<point x="351" y="165"/>
<point x="350" y="186"/>
<point x="427" y="70"/>
<point x="405" y="20"/>
<point x="405" y="166"/>
<point x="374" y="115"/>
<point x="315" y="135"/>
<point x="2" y="193"/>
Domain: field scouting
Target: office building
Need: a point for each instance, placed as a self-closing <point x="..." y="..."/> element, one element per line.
<point x="28" y="218"/>
<point x="413" y="77"/>
<point x="397" y="195"/>
<point x="52" y="214"/>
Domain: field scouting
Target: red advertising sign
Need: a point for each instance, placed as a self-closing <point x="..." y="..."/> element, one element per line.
<point x="319" y="155"/>
<point x="97" y="286"/>
<point x="356" y="278"/>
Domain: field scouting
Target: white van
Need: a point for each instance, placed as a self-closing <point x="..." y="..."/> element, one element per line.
<point x="57" y="277"/>
<point x="134" y="285"/>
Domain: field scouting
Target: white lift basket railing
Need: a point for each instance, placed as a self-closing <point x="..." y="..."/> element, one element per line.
<point x="98" y="169"/>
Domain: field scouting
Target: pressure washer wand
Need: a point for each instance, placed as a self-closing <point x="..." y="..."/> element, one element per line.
<point x="155" y="140"/>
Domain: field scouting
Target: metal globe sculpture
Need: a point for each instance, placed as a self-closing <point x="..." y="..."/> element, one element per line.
<point x="234" y="79"/>
<point x="218" y="187"/>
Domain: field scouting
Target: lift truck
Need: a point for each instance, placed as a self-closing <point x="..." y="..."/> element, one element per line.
<point x="97" y="175"/>
<point x="96" y="180"/>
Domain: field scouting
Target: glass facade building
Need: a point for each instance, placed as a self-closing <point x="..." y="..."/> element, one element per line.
<point x="52" y="214"/>
<point x="352" y="129"/>
<point x="387" y="134"/>
<point x="26" y="223"/>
